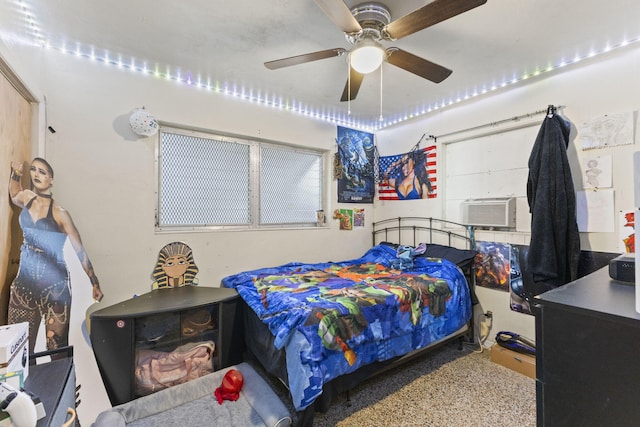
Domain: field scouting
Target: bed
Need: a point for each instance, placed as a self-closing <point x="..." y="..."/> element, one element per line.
<point x="321" y="328"/>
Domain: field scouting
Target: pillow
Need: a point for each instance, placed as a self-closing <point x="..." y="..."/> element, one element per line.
<point x="460" y="257"/>
<point x="463" y="258"/>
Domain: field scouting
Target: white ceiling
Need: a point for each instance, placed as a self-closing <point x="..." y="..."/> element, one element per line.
<point x="225" y="43"/>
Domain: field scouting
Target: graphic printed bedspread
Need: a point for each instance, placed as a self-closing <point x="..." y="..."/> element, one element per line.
<point x="333" y="318"/>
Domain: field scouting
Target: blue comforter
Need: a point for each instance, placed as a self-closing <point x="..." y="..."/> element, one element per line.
<point x="333" y="318"/>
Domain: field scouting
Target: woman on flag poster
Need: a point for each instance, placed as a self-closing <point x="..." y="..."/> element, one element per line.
<point x="408" y="176"/>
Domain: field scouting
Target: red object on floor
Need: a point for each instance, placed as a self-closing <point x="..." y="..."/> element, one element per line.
<point x="232" y="383"/>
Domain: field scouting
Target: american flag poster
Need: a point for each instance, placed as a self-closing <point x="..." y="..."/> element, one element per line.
<point x="408" y="176"/>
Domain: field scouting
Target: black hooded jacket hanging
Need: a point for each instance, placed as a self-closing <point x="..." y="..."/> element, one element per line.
<point x="552" y="259"/>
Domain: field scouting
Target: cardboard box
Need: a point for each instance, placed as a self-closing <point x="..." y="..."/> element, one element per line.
<point x="519" y="362"/>
<point x="14" y="350"/>
<point x="14" y="378"/>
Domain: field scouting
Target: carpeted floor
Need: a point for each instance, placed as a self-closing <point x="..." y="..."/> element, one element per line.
<point x="446" y="388"/>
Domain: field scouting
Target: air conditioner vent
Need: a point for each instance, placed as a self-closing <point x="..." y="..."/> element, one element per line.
<point x="490" y="213"/>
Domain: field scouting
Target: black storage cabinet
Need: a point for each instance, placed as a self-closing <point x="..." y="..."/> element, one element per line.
<point x="115" y="331"/>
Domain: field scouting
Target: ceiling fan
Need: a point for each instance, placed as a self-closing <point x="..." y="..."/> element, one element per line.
<point x="366" y="25"/>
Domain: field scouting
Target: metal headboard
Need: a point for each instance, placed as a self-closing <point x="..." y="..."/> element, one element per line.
<point x="396" y="230"/>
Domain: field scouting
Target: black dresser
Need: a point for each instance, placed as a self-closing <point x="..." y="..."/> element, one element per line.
<point x="588" y="354"/>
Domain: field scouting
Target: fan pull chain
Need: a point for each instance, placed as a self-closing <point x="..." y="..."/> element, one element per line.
<point x="349" y="87"/>
<point x="381" y="118"/>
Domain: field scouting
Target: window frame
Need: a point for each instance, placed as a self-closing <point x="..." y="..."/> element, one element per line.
<point x="255" y="164"/>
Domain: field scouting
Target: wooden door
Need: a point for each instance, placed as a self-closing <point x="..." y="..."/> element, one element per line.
<point x="15" y="144"/>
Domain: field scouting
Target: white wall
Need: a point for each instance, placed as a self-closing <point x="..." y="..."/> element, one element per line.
<point x="105" y="176"/>
<point x="605" y="85"/>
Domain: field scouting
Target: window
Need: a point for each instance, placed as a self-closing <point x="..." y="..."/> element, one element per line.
<point x="213" y="181"/>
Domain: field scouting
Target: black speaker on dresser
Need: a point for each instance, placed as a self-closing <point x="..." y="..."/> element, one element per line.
<point x="623" y="268"/>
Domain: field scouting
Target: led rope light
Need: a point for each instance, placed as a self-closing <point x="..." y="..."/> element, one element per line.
<point x="293" y="106"/>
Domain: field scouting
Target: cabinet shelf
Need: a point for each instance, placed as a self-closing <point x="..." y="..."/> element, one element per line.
<point x="164" y="325"/>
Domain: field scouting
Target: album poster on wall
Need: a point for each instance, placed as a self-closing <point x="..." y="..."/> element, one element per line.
<point x="356" y="152"/>
<point x="502" y="266"/>
<point x="519" y="298"/>
<point x="493" y="268"/>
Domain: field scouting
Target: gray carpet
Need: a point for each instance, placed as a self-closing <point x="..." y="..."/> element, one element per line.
<point x="446" y="388"/>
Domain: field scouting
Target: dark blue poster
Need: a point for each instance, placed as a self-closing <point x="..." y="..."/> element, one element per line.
<point x="356" y="153"/>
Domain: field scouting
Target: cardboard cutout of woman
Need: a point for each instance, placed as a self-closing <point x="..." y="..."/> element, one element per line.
<point x="175" y="267"/>
<point x="42" y="288"/>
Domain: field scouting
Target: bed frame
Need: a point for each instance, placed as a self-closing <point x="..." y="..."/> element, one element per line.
<point x="423" y="230"/>
<point x="401" y="230"/>
<point x="415" y="230"/>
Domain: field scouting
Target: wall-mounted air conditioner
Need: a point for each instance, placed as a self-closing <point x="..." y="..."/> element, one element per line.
<point x="490" y="213"/>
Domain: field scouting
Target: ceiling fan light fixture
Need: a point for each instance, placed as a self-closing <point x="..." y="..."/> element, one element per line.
<point x="367" y="56"/>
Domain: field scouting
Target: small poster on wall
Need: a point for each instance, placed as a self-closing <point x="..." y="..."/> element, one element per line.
<point x="356" y="159"/>
<point x="518" y="299"/>
<point x="597" y="172"/>
<point x="605" y="131"/>
<point x="502" y="266"/>
<point x="346" y="219"/>
<point x="594" y="211"/>
<point x="358" y="217"/>
<point x="627" y="232"/>
<point x="493" y="267"/>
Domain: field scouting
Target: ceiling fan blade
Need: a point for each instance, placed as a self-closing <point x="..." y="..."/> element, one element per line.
<point x="340" y="15"/>
<point x="428" y="15"/>
<point x="307" y="57"/>
<point x="416" y="65"/>
<point x="355" y="78"/>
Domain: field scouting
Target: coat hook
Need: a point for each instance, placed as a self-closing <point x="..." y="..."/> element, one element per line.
<point x="551" y="111"/>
